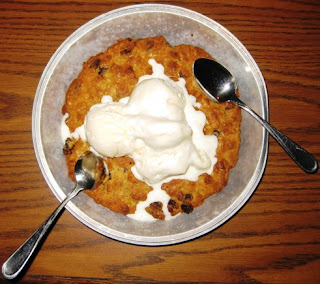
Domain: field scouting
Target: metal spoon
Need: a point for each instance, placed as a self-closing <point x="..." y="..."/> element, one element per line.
<point x="89" y="172"/>
<point x="219" y="85"/>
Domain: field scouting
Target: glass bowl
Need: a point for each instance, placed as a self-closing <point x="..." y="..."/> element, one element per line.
<point x="179" y="26"/>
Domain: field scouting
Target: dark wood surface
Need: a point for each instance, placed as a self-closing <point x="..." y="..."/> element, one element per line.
<point x="273" y="239"/>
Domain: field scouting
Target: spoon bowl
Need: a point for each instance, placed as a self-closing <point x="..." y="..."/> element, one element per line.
<point x="216" y="81"/>
<point x="219" y="85"/>
<point x="89" y="173"/>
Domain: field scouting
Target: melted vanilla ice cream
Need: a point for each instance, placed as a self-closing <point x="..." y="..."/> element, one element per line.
<point x="159" y="128"/>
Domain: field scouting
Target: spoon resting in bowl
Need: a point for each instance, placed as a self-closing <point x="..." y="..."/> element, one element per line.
<point x="89" y="173"/>
<point x="219" y="85"/>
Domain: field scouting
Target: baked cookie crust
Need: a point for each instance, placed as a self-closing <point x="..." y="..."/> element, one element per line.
<point x="115" y="72"/>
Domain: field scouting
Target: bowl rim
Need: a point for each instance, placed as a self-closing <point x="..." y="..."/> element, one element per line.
<point x="39" y="151"/>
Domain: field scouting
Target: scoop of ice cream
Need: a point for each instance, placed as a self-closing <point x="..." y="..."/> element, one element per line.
<point x="151" y="128"/>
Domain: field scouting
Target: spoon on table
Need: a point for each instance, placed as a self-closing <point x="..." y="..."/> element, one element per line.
<point x="89" y="172"/>
<point x="219" y="85"/>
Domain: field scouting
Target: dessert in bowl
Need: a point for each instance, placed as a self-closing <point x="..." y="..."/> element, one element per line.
<point x="177" y="26"/>
<point x="167" y="147"/>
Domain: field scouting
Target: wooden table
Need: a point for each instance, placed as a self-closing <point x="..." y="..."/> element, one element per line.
<point x="273" y="239"/>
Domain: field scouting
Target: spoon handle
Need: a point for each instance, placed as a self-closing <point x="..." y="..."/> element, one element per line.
<point x="17" y="261"/>
<point x="303" y="158"/>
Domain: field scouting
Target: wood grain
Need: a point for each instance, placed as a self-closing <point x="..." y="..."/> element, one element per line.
<point x="273" y="239"/>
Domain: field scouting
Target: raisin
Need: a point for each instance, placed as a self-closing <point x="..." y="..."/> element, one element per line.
<point x="102" y="70"/>
<point x="125" y="209"/>
<point x="150" y="44"/>
<point x="172" y="205"/>
<point x="187" y="208"/>
<point x="66" y="151"/>
<point x="156" y="205"/>
<point x="155" y="209"/>
<point x="125" y="51"/>
<point x="95" y="64"/>
<point x="182" y="75"/>
<point x="68" y="146"/>
<point x="208" y="179"/>
<point x="216" y="133"/>
<point x="188" y="196"/>
<point x="221" y="165"/>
